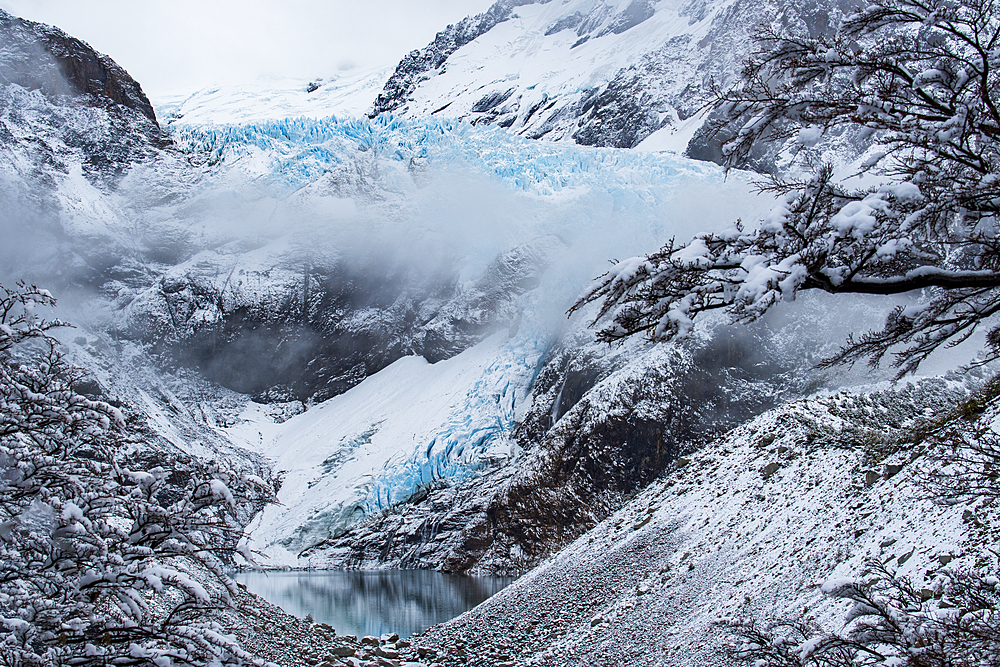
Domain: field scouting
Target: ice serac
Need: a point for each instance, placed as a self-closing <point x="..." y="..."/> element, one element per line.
<point x="596" y="72"/>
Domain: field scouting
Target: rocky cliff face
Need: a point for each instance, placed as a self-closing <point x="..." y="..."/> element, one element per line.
<point x="41" y="57"/>
<point x="66" y="112"/>
<point x="421" y="64"/>
<point x="298" y="326"/>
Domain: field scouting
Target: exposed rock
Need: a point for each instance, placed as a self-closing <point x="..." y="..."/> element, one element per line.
<point x="414" y="66"/>
<point x="320" y="328"/>
<point x="669" y="80"/>
<point x="892" y="469"/>
<point x="636" y="12"/>
<point x="41" y="57"/>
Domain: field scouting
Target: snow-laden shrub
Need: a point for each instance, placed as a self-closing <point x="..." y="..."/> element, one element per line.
<point x="964" y="451"/>
<point x="953" y="623"/>
<point x="99" y="564"/>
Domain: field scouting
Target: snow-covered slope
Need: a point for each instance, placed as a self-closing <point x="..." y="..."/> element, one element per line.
<point x="597" y="72"/>
<point x="345" y="95"/>
<point x="750" y="526"/>
<point x="374" y="446"/>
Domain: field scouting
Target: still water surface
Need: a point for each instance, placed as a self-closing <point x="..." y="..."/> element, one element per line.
<point x="373" y="602"/>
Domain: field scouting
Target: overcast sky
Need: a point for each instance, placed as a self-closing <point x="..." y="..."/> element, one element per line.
<point x="176" y="46"/>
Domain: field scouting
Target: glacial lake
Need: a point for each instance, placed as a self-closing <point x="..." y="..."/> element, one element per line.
<point x="359" y="602"/>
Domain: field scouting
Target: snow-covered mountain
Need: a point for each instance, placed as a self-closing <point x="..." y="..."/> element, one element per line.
<point x="369" y="310"/>
<point x="597" y="72"/>
<point x="613" y="73"/>
<point x="319" y="265"/>
<point x="312" y="309"/>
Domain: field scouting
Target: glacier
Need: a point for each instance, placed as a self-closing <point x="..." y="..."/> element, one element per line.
<point x="413" y="424"/>
<point x="430" y="178"/>
<point x="298" y="150"/>
<point x="422" y="193"/>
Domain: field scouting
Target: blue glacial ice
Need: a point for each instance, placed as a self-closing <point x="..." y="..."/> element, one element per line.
<point x="300" y="150"/>
<point x="477" y="431"/>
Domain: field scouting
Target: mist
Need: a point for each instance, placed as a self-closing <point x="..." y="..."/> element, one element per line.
<point x="181" y="46"/>
<point x="291" y="259"/>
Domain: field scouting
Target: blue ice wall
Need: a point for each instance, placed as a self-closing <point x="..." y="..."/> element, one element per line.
<point x="302" y="149"/>
<point x="482" y="422"/>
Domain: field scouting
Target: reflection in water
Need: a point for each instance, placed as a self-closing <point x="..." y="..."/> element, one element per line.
<point x="373" y="602"/>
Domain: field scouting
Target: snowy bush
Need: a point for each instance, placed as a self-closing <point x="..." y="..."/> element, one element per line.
<point x="964" y="452"/>
<point x="99" y="564"/>
<point x="920" y="79"/>
<point x="953" y="623"/>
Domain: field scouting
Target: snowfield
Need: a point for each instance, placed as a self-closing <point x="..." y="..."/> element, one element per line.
<point x="346" y="94"/>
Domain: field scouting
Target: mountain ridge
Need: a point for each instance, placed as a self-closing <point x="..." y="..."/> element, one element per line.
<point x="42" y="57"/>
<point x="370" y="314"/>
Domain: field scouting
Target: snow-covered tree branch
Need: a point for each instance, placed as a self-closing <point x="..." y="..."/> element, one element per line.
<point x="920" y="80"/>
<point x="101" y="564"/>
<point x="953" y="622"/>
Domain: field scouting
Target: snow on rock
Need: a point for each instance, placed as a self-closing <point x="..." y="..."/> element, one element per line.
<point x="753" y="524"/>
<point x="596" y="72"/>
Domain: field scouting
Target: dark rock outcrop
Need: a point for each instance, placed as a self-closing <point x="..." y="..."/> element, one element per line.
<point x="637" y="12"/>
<point x="41" y="57"/>
<point x="620" y="115"/>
